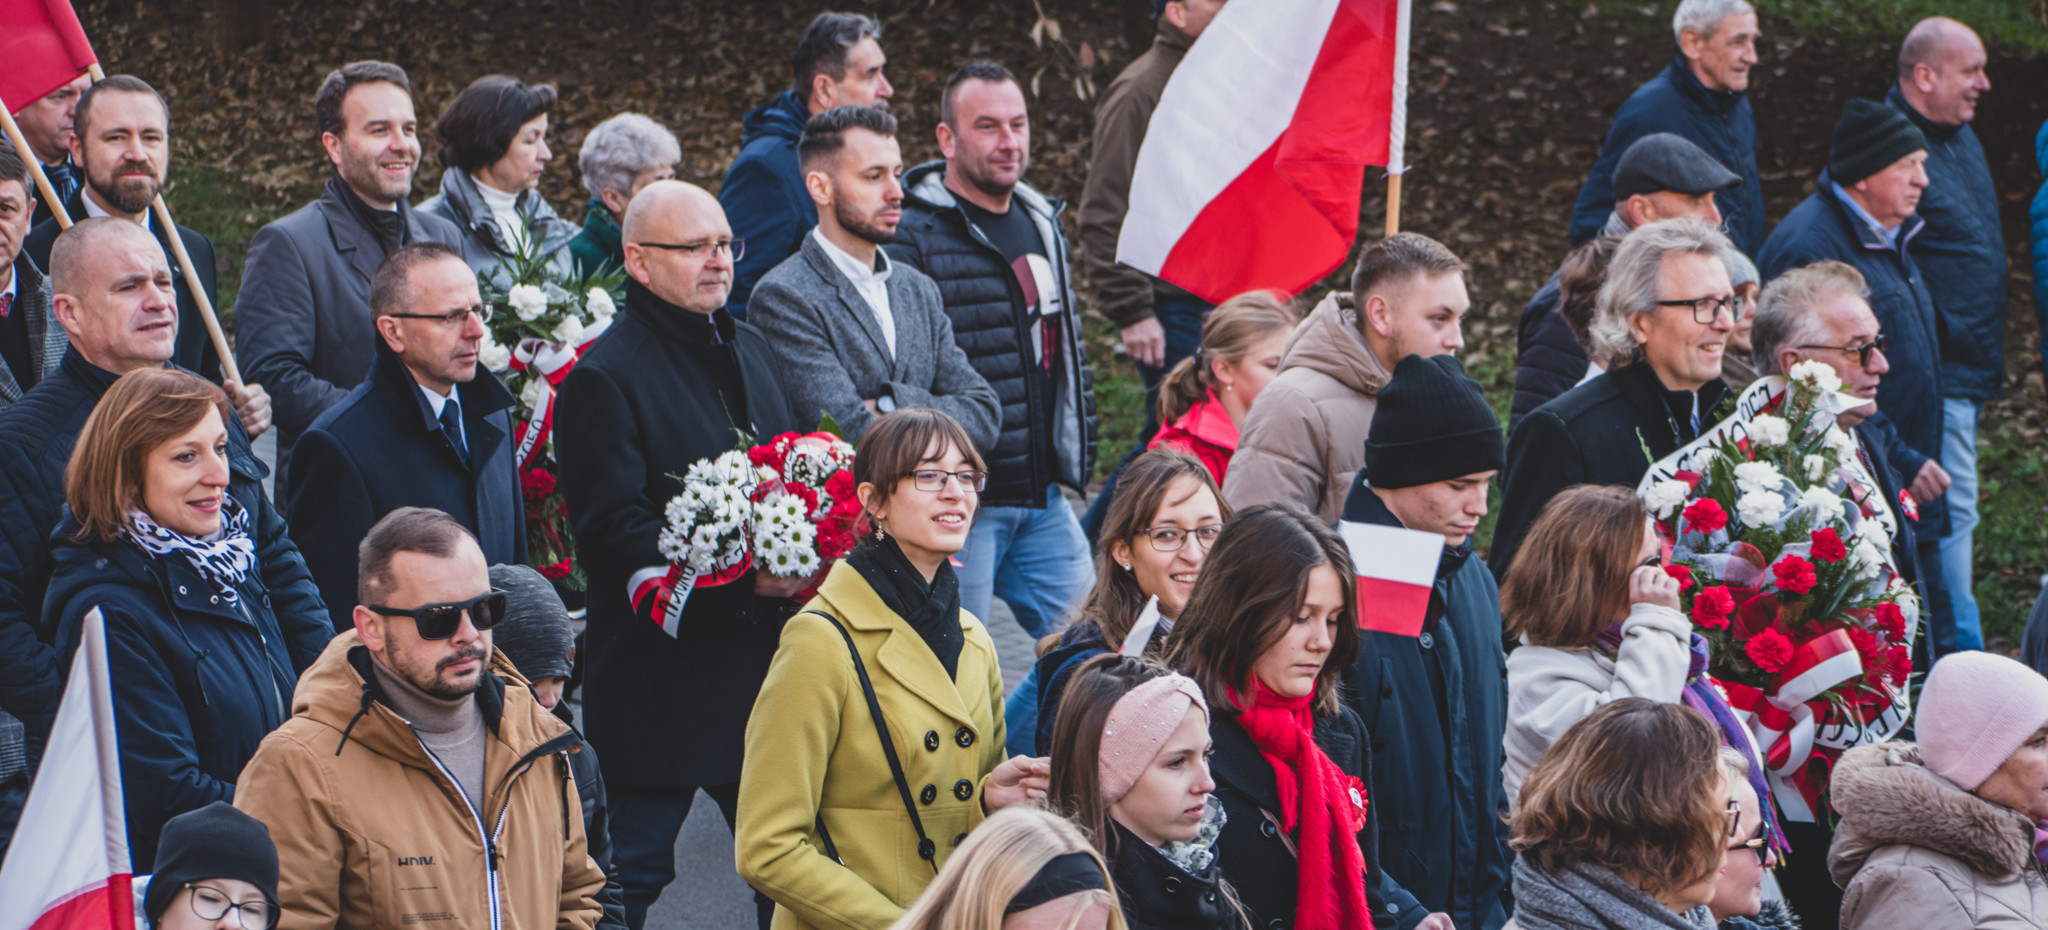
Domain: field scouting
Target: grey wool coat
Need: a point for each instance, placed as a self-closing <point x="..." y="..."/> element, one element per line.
<point x="833" y="355"/>
<point x="46" y="340"/>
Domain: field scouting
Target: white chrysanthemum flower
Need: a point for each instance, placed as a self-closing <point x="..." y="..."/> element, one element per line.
<point x="599" y="303"/>
<point x="491" y="355"/>
<point x="1760" y="508"/>
<point x="1768" y="430"/>
<point x="1817" y="374"/>
<point x="1874" y="533"/>
<point x="528" y="302"/>
<point x="1840" y="443"/>
<point x="1865" y="559"/>
<point x="531" y="395"/>
<point x="1665" y="497"/>
<point x="569" y="332"/>
<point x="1816" y="467"/>
<point x="1825" y="505"/>
<point x="1758" y="476"/>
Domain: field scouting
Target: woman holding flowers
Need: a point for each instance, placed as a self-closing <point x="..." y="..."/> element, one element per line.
<point x="877" y="742"/>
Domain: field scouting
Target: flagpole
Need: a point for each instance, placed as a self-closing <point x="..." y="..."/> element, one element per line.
<point x="1397" y="128"/>
<point x="1393" y="204"/>
<point x="35" y="168"/>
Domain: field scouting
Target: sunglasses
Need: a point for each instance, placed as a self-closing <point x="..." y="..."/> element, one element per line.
<point x="440" y="621"/>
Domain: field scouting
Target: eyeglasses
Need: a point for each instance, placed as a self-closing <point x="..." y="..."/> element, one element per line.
<point x="482" y="312"/>
<point x="932" y="479"/>
<point x="736" y="248"/>
<point x="1705" y="310"/>
<point x="211" y="904"/>
<point x="1171" y="538"/>
<point x="440" y="621"/>
<point x="1862" y="352"/>
<point x="1759" y="844"/>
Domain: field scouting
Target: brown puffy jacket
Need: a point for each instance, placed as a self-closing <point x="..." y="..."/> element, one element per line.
<point x="370" y="833"/>
<point x="1913" y="850"/>
<point x="1304" y="439"/>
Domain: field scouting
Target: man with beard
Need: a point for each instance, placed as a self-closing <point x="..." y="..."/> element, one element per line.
<point x="303" y="319"/>
<point x="46" y="126"/>
<point x="858" y="337"/>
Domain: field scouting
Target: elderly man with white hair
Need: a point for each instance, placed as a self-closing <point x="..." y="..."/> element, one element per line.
<point x="1702" y="96"/>
<point x="1663" y="320"/>
<point x="619" y="157"/>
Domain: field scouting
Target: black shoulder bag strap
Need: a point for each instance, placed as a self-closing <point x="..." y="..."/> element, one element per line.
<point x="926" y="849"/>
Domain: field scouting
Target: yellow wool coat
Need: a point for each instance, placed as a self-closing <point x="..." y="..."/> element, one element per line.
<point x="811" y="749"/>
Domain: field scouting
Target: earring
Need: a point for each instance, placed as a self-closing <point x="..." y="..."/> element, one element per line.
<point x="881" y="533"/>
<point x="1127" y="566"/>
<point x="1228" y="387"/>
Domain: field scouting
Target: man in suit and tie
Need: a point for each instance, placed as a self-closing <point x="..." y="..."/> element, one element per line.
<point x="31" y="341"/>
<point x="424" y="429"/>
<point x="46" y="126"/>
<point x="857" y="334"/>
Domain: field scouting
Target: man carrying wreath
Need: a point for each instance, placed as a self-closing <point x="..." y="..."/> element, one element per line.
<point x="673" y="667"/>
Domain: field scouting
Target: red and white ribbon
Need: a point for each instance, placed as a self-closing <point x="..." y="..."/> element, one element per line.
<point x="552" y="361"/>
<point x="652" y="581"/>
<point x="1792" y="725"/>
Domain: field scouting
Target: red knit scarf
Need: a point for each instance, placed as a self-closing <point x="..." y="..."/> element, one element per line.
<point x="1320" y="806"/>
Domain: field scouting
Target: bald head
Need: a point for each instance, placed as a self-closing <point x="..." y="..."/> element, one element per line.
<point x="72" y="256"/>
<point x="667" y="214"/>
<point x="1941" y="70"/>
<point x="111" y="290"/>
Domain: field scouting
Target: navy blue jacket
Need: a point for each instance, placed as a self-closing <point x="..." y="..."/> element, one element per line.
<point x="1961" y="254"/>
<point x="381" y="449"/>
<point x="1548" y="358"/>
<point x="763" y="194"/>
<point x="1824" y="227"/>
<point x="197" y="681"/>
<point x="1436" y="706"/>
<point x="2037" y="217"/>
<point x="1720" y="122"/>
<point x="36" y="436"/>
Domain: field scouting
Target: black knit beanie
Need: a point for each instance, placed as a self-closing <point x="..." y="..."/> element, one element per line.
<point x="1869" y="137"/>
<point x="1432" y="424"/>
<point x="215" y="841"/>
<point x="535" y="632"/>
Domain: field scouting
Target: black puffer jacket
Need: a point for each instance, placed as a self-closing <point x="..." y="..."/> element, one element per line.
<point x="987" y="307"/>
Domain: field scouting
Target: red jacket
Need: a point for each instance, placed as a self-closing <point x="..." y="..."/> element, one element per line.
<point x="1206" y="433"/>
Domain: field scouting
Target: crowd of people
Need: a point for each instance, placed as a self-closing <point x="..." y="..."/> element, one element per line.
<point x="350" y="705"/>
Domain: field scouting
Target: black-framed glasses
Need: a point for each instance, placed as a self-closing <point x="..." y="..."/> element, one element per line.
<point x="1705" y="310"/>
<point x="440" y="621"/>
<point x="1759" y="844"/>
<point x="482" y="312"/>
<point x="211" y="904"/>
<point x="934" y="479"/>
<point x="1862" y="352"/>
<point x="1171" y="538"/>
<point x="735" y="249"/>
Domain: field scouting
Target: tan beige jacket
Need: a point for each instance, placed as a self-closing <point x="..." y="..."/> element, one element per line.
<point x="370" y="832"/>
<point x="1303" y="441"/>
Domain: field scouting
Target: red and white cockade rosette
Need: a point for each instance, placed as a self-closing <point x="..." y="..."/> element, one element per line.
<point x="1782" y="544"/>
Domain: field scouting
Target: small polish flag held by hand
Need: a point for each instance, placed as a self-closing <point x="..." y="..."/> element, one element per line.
<point x="1396" y="568"/>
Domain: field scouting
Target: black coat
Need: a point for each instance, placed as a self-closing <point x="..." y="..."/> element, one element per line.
<point x="194" y="350"/>
<point x="1436" y="706"/>
<point x="988" y="310"/>
<point x="382" y="449"/>
<point x="36" y="436"/>
<point x="1250" y="851"/>
<point x="1156" y="894"/>
<point x="663" y="388"/>
<point x="1596" y="433"/>
<point x="1548" y="358"/>
<point x="597" y="826"/>
<point x="1961" y="253"/>
<point x="197" y="682"/>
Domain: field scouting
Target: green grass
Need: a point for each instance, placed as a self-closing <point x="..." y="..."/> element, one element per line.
<point x="2004" y="24"/>
<point x="217" y="203"/>
<point x="2013" y="532"/>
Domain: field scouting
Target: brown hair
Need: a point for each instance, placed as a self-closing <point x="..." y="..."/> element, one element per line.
<point x="391" y="289"/>
<point x="81" y="116"/>
<point x="1399" y="257"/>
<point x="335" y="86"/>
<point x="1570" y="577"/>
<point x="408" y="529"/>
<point x="1578" y="287"/>
<point x="1632" y="788"/>
<point x="479" y="125"/>
<point x="1250" y="588"/>
<point x="143" y="410"/>
<point x="1076" y="749"/>
<point x="1115" y="600"/>
<point x="889" y="450"/>
<point x="1230" y="332"/>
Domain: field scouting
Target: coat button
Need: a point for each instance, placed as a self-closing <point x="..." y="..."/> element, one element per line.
<point x="931" y="741"/>
<point x="1172" y="884"/>
<point x="958" y="839"/>
<point x="1276" y="924"/>
<point x="1209" y="897"/>
<point x="1428" y="641"/>
<point x="1267" y="829"/>
<point x="926" y="849"/>
<point x="963" y="789"/>
<point x="963" y="736"/>
<point x="929" y="794"/>
<point x="215" y="600"/>
<point x="181" y="589"/>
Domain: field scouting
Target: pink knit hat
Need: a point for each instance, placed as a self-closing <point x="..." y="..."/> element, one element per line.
<point x="1137" y="725"/>
<point x="1975" y="710"/>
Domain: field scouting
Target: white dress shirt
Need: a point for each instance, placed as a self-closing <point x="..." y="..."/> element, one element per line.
<point x="871" y="282"/>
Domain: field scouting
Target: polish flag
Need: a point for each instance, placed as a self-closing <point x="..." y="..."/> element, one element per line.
<point x="1396" y="569"/>
<point x="1250" y="173"/>
<point x="68" y="868"/>
<point x="44" y="47"/>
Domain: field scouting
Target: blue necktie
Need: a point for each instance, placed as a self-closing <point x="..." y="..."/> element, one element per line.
<point x="451" y="426"/>
<point x="63" y="179"/>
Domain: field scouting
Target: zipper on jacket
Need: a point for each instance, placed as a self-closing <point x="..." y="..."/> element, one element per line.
<point x="489" y="841"/>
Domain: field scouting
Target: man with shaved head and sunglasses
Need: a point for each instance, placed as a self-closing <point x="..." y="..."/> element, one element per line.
<point x="418" y="778"/>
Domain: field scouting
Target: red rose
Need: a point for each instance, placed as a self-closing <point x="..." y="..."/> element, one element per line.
<point x="536" y="483"/>
<point x="765" y="457"/>
<point x="1899" y="664"/>
<point x="1828" y="546"/>
<point x="1769" y="649"/>
<point x="557" y="570"/>
<point x="840" y="486"/>
<point x="1892" y="621"/>
<point x="1711" y="608"/>
<point x="1705" y="515"/>
<point x="1794" y="574"/>
<point x="1683" y="574"/>
<point x="1868" y="648"/>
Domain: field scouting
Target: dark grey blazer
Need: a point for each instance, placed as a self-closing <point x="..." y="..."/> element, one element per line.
<point x="302" y="322"/>
<point x="833" y="355"/>
<point x="46" y="339"/>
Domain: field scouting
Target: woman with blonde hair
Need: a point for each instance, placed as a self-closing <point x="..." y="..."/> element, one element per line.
<point x="1203" y="400"/>
<point x="1023" y="869"/>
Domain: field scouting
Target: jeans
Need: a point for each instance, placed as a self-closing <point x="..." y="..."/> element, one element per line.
<point x="1959" y="458"/>
<point x="1033" y="558"/>
<point x="1020" y="717"/>
<point x="644" y="825"/>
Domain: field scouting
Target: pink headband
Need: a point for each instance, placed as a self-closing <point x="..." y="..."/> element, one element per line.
<point x="1138" y="723"/>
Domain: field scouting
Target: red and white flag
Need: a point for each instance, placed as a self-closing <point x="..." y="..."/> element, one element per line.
<point x="1396" y="569"/>
<point x="68" y="868"/>
<point x="43" y="48"/>
<point x="1250" y="173"/>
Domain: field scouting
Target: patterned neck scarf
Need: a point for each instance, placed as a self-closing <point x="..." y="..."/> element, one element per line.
<point x="225" y="558"/>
